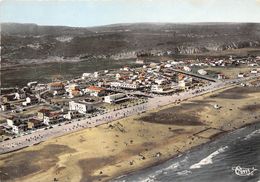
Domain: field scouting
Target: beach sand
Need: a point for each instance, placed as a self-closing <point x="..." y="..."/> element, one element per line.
<point x="129" y="144"/>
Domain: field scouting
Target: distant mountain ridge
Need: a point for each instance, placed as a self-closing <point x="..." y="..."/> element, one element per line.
<point x="31" y="41"/>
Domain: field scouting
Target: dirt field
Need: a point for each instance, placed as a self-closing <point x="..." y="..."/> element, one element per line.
<point x="230" y="72"/>
<point x="113" y="149"/>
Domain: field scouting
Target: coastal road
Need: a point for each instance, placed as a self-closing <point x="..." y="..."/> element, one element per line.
<point x="76" y="125"/>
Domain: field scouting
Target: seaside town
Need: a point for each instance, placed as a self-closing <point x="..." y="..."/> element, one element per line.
<point x="39" y="111"/>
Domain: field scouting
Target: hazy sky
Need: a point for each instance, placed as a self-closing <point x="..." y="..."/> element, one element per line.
<point x="101" y="12"/>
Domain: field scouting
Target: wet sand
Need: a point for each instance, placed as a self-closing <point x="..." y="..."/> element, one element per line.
<point x="129" y="144"/>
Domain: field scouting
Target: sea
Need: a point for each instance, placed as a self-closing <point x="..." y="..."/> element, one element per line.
<point x="232" y="157"/>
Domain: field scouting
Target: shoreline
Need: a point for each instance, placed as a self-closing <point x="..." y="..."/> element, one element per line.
<point x="175" y="156"/>
<point x="105" y="156"/>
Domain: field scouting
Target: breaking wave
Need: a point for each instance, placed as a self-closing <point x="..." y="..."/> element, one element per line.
<point x="252" y="134"/>
<point x="208" y="160"/>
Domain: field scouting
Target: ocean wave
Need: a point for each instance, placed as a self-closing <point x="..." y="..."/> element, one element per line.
<point x="184" y="173"/>
<point x="208" y="159"/>
<point x="252" y="134"/>
<point x="152" y="177"/>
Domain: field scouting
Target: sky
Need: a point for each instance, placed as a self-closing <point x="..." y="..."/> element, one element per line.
<point x="86" y="13"/>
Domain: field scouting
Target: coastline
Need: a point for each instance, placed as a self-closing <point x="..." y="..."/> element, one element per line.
<point x="218" y="136"/>
<point x="104" y="153"/>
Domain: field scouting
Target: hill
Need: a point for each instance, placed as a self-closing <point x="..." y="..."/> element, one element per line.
<point x="30" y="41"/>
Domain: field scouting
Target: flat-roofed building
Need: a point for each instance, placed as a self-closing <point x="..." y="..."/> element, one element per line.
<point x="56" y="86"/>
<point x="115" y="98"/>
<point x="34" y="123"/>
<point x="83" y="107"/>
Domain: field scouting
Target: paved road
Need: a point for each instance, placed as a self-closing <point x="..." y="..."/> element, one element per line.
<point x="153" y="103"/>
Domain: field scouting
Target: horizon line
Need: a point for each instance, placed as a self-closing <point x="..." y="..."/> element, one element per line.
<point x="125" y="23"/>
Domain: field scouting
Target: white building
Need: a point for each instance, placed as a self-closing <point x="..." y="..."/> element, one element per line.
<point x="254" y="71"/>
<point x="202" y="72"/>
<point x="32" y="84"/>
<point x="240" y="75"/>
<point x="19" y="95"/>
<point x="186" y="68"/>
<point x="114" y="98"/>
<point x="72" y="114"/>
<point x="16" y="125"/>
<point x="124" y="85"/>
<point x="160" y="81"/>
<point x="82" y="106"/>
<point x="86" y="75"/>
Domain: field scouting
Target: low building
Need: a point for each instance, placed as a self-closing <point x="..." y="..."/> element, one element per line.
<point x="20" y="95"/>
<point x="184" y="84"/>
<point x="17" y="125"/>
<point x="162" y="89"/>
<point x="72" y="114"/>
<point x="82" y="107"/>
<point x="5" y="107"/>
<point x="53" y="117"/>
<point x="8" y="98"/>
<point x="86" y="75"/>
<point x="95" y="91"/>
<point x="124" y="85"/>
<point x="41" y="113"/>
<point x="241" y="75"/>
<point x="114" y="98"/>
<point x="202" y="72"/>
<point x="56" y="86"/>
<point x="186" y="68"/>
<point x="30" y="101"/>
<point x="221" y="76"/>
<point x="32" y="84"/>
<point x="59" y="92"/>
<point x="34" y="123"/>
<point x="75" y="93"/>
<point x="254" y="71"/>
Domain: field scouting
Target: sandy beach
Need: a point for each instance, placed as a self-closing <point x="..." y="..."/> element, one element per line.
<point x="114" y="149"/>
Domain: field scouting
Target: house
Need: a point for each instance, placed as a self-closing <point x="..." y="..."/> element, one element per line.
<point x="40" y="87"/>
<point x="96" y="74"/>
<point x="5" y="107"/>
<point x="86" y="75"/>
<point x="53" y="117"/>
<point x="124" y="85"/>
<point x="184" y="84"/>
<point x="186" y="68"/>
<point x="114" y="98"/>
<point x="221" y="76"/>
<point x="42" y="113"/>
<point x="202" y="72"/>
<point x="72" y="87"/>
<point x="17" y="125"/>
<point x="8" y="98"/>
<point x="34" y="123"/>
<point x="20" y="95"/>
<point x="118" y="76"/>
<point x="161" y="89"/>
<point x="72" y="114"/>
<point x="83" y="106"/>
<point x="30" y="101"/>
<point x="160" y="81"/>
<point x="32" y="84"/>
<point x="59" y="92"/>
<point x="56" y="86"/>
<point x="95" y="91"/>
<point x="19" y="128"/>
<point x="254" y="71"/>
<point x="75" y="93"/>
<point x="240" y="75"/>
